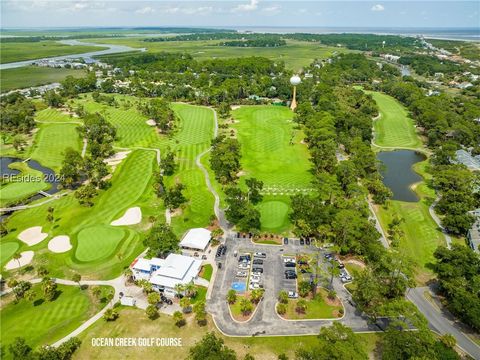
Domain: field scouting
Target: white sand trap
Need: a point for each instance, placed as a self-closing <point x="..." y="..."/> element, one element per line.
<point x="116" y="158"/>
<point x="235" y="107"/>
<point x="59" y="244"/>
<point x="25" y="259"/>
<point x="32" y="236"/>
<point x="151" y="122"/>
<point x="131" y="217"/>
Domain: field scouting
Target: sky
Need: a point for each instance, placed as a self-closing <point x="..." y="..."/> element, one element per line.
<point x="254" y="13"/>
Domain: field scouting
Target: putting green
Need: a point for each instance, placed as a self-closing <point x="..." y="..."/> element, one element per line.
<point x="273" y="214"/>
<point x="7" y="250"/>
<point x="98" y="242"/>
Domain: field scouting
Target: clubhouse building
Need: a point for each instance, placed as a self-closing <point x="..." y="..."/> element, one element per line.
<point x="196" y="239"/>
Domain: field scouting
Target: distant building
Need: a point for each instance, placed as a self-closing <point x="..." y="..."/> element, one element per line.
<point x="473" y="235"/>
<point x="392" y="58"/>
<point x="466" y="158"/>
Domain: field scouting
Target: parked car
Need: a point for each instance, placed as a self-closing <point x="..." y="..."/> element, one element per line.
<point x="243" y="266"/>
<point x="257" y="270"/>
<point x="260" y="255"/>
<point x="204" y="257"/>
<point x="328" y="256"/>
<point x="224" y="250"/>
<point x="242" y="273"/>
<point x="290" y="264"/>
<point x="254" y="286"/>
<point x="285" y="241"/>
<point x="288" y="260"/>
<point x="235" y="253"/>
<point x="292" y="294"/>
<point x="290" y="276"/>
<point x="257" y="262"/>
<point x="346" y="279"/>
<point x="307" y="242"/>
<point x="340" y="265"/>
<point x="302" y="242"/>
<point x="195" y="254"/>
<point x="219" y="265"/>
<point x="255" y="279"/>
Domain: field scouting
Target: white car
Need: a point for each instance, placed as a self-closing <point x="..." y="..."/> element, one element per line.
<point x="242" y="274"/>
<point x="243" y="266"/>
<point x="254" y="286"/>
<point x="260" y="255"/>
<point x="255" y="278"/>
<point x="292" y="295"/>
<point x="289" y="260"/>
<point x="346" y="278"/>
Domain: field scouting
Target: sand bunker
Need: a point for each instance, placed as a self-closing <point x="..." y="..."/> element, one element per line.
<point x="131" y="217"/>
<point x="59" y="244"/>
<point x="32" y="236"/>
<point x="235" y="107"/>
<point x="151" y="122"/>
<point x="116" y="158"/>
<point x="25" y="259"/>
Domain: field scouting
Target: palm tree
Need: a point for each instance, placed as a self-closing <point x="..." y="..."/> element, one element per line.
<point x="179" y="289"/>
<point x="301" y="306"/>
<point x="245" y="306"/>
<point x="257" y="295"/>
<point x="185" y="303"/>
<point x="231" y="296"/>
<point x="178" y="318"/>
<point x="17" y="257"/>
<point x="283" y="297"/>
<point x="190" y="289"/>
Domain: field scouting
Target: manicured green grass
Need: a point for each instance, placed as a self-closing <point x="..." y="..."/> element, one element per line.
<point x="131" y="126"/>
<point x="394" y="128"/>
<point x="422" y="235"/>
<point x="51" y="141"/>
<point x="201" y="294"/>
<point x="19" y="51"/>
<point x="7" y="249"/>
<point x="194" y="134"/>
<point x="296" y="54"/>
<point x="97" y="242"/>
<point x="317" y="308"/>
<point x="131" y="186"/>
<point x="135" y="321"/>
<point x="43" y="322"/>
<point x="25" y="184"/>
<point x="274" y="214"/>
<point x="272" y="152"/>
<point x="206" y="272"/>
<point x="28" y="76"/>
<point x="52" y="115"/>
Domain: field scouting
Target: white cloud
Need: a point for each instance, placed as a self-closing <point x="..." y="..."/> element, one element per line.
<point x="251" y="6"/>
<point x="199" y="10"/>
<point x="378" y="7"/>
<point x="145" y="10"/>
<point x="272" y="9"/>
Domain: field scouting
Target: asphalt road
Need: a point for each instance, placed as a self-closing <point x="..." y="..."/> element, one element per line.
<point x="442" y="322"/>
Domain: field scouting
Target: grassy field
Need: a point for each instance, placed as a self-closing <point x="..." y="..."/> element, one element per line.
<point x="394" y="128"/>
<point x="272" y="152"/>
<point x="28" y="76"/>
<point x="133" y="321"/>
<point x="206" y="272"/>
<point x="131" y="185"/>
<point x="19" y="51"/>
<point x="193" y="136"/>
<point x="27" y="182"/>
<point x="7" y="249"/>
<point x="97" y="242"/>
<point x="317" y="308"/>
<point x="422" y="236"/>
<point x="51" y="141"/>
<point x="44" y="322"/>
<point x="295" y="54"/>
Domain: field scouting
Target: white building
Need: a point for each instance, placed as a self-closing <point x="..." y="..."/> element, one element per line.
<point x="164" y="274"/>
<point x="196" y="239"/>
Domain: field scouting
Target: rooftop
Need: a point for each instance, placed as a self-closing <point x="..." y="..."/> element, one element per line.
<point x="196" y="239"/>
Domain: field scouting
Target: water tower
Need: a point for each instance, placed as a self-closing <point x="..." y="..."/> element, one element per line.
<point x="294" y="80"/>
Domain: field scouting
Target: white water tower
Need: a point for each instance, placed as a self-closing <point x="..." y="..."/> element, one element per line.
<point x="294" y="80"/>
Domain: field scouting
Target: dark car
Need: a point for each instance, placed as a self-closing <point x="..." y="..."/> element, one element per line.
<point x="290" y="272"/>
<point x="224" y="250"/>
<point x="307" y="242"/>
<point x="302" y="242"/>
<point x="257" y="262"/>
<point x="290" y="276"/>
<point x="285" y="241"/>
<point x="219" y="265"/>
<point x="290" y="264"/>
<point x="257" y="270"/>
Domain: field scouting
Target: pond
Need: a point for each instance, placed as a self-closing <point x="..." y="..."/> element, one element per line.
<point x="48" y="174"/>
<point x="398" y="174"/>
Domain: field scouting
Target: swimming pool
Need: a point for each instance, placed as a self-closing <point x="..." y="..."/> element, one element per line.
<point x="239" y="286"/>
